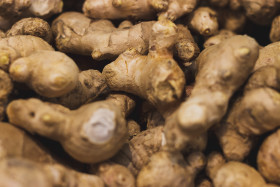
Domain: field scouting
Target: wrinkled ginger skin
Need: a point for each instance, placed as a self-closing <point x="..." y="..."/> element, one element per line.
<point x="138" y="151"/>
<point x="115" y="175"/>
<point x="172" y="168"/>
<point x="6" y="87"/>
<point x="204" y="21"/>
<point x="133" y="128"/>
<point x="155" y="77"/>
<point x="28" y="8"/>
<point x="26" y="173"/>
<point x="274" y="34"/>
<point x="119" y="9"/>
<point x="269" y="56"/>
<point x="186" y="48"/>
<point x="90" y="86"/>
<point x="14" y="47"/>
<point x="49" y="73"/>
<point x="17" y="143"/>
<point x="238" y="174"/>
<point x="178" y="8"/>
<point x="32" y="26"/>
<point x="90" y="134"/>
<point x="75" y="33"/>
<point x="260" y="11"/>
<point x="268" y="158"/>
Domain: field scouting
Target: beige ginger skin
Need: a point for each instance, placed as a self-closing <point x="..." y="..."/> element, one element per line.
<point x="274" y="34"/>
<point x="204" y="21"/>
<point x="16" y="172"/>
<point x="14" y="142"/>
<point x="170" y="169"/>
<point x="27" y="8"/>
<point x="14" y="47"/>
<point x="6" y="87"/>
<point x="115" y="175"/>
<point x="144" y="9"/>
<point x="90" y="134"/>
<point x="218" y="38"/>
<point x="91" y="84"/>
<point x="49" y="73"/>
<point x="155" y="77"/>
<point x="31" y="26"/>
<point x="76" y="33"/>
<point x="268" y="158"/>
<point x="217" y="79"/>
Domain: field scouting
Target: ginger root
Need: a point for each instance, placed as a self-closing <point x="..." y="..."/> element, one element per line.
<point x="75" y="33"/>
<point x="115" y="175"/>
<point x="31" y="26"/>
<point x="219" y="76"/>
<point x="155" y="77"/>
<point x="274" y="34"/>
<point x="49" y="77"/>
<point x="218" y="38"/>
<point x="172" y="168"/>
<point x="14" y="142"/>
<point x="268" y="158"/>
<point x="90" y="134"/>
<point x="27" y="8"/>
<point x="91" y="84"/>
<point x="14" y="47"/>
<point x="26" y="173"/>
<point x="238" y="174"/>
<point x="204" y="21"/>
<point x="6" y="87"/>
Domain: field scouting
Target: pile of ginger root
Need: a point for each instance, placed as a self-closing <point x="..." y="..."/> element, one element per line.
<point x="140" y="93"/>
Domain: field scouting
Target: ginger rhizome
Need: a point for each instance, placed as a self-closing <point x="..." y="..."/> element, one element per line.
<point x="91" y="84"/>
<point x="268" y="158"/>
<point x="75" y="33"/>
<point x="274" y="35"/>
<point x="204" y="21"/>
<point x="90" y="134"/>
<point x="49" y="73"/>
<point x="219" y="75"/>
<point x="6" y="87"/>
<point x="238" y="174"/>
<point x="155" y="77"/>
<point x="31" y="26"/>
<point x="172" y="168"/>
<point x="14" y="47"/>
<point x="218" y="38"/>
<point x="115" y="175"/>
<point x="17" y="143"/>
<point x="27" y="173"/>
<point x="144" y="9"/>
<point x="27" y="8"/>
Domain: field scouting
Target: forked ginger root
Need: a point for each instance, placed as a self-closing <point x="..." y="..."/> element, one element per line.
<point x="14" y="142"/>
<point x="155" y="77"/>
<point x="26" y="173"/>
<point x="31" y="26"/>
<point x="75" y="33"/>
<point x="172" y="169"/>
<point x="268" y="158"/>
<point x="49" y="73"/>
<point x="90" y="134"/>
<point x="14" y="47"/>
<point x="219" y="76"/>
